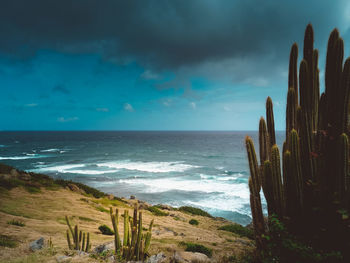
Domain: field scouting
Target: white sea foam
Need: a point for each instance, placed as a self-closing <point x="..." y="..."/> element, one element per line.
<point x="73" y="168"/>
<point x="207" y="186"/>
<point x="151" y="167"/>
<point x="50" y="150"/>
<point x="90" y="171"/>
<point x="27" y="156"/>
<point x="222" y="202"/>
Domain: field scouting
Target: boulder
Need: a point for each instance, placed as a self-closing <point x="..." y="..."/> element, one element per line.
<point x="165" y="207"/>
<point x="75" y="188"/>
<point x="110" y="197"/>
<point x="104" y="247"/>
<point x="185" y="256"/>
<point x="37" y="244"/>
<point x="132" y="197"/>
<point x="159" y="258"/>
<point x="25" y="177"/>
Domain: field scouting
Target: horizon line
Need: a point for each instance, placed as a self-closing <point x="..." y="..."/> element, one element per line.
<point x="134" y="130"/>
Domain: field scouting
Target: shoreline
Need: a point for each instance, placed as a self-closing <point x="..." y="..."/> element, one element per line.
<point x="41" y="202"/>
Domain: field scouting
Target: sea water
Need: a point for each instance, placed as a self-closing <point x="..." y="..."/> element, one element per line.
<point x="205" y="169"/>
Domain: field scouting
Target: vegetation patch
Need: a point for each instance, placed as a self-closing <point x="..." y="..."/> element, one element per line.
<point x="194" y="211"/>
<point x="239" y="230"/>
<point x="87" y="189"/>
<point x="16" y="222"/>
<point x="83" y="218"/>
<point x="109" y="203"/>
<point x="32" y="189"/>
<point x="193" y="247"/>
<point x="156" y="211"/>
<point x="7" y="241"/>
<point x="194" y="222"/>
<point x="102" y="209"/>
<point x="10" y="183"/>
<point x="105" y="230"/>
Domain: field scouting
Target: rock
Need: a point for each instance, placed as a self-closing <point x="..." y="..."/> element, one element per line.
<point x="132" y="197"/>
<point x="160" y="257"/>
<point x="37" y="244"/>
<point x="144" y="205"/>
<point x="185" y="256"/>
<point x="63" y="259"/>
<point x="104" y="247"/>
<point x="243" y="242"/>
<point x="75" y="188"/>
<point x="111" y="259"/>
<point x="14" y="173"/>
<point x="110" y="197"/>
<point x="165" y="207"/>
<point x="25" y="177"/>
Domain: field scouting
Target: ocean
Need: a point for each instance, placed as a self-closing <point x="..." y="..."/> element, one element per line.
<point x="205" y="169"/>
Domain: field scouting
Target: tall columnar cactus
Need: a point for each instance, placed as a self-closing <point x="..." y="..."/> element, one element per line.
<point x="78" y="238"/>
<point x="264" y="143"/>
<point x="254" y="187"/>
<point x="314" y="188"/>
<point x="136" y="246"/>
<point x="270" y="121"/>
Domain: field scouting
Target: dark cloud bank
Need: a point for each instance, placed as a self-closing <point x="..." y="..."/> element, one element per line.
<point x="249" y="36"/>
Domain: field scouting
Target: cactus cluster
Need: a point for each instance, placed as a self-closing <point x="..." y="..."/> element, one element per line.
<point x="135" y="245"/>
<point x="81" y="240"/>
<point x="309" y="189"/>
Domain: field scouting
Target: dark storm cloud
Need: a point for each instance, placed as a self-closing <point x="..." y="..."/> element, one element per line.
<point x="164" y="34"/>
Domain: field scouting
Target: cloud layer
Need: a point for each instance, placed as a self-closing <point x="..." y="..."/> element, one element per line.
<point x="168" y="35"/>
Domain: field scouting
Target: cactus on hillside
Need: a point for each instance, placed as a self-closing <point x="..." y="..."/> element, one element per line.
<point x="136" y="246"/>
<point x="78" y="238"/>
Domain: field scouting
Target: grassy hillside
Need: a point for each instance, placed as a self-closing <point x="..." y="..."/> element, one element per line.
<point x="34" y="205"/>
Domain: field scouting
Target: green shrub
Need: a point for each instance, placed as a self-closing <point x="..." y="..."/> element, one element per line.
<point x="156" y="211"/>
<point x="239" y="230"/>
<point x="102" y="209"/>
<point x="105" y="230"/>
<point x="194" y="211"/>
<point x="32" y="189"/>
<point x="193" y="247"/>
<point x="194" y="222"/>
<point x="7" y="241"/>
<point x="15" y="222"/>
<point x="10" y="183"/>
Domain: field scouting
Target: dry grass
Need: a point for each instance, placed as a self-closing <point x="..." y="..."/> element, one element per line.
<point x="43" y="214"/>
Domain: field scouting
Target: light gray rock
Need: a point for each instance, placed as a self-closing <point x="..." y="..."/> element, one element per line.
<point x="63" y="259"/>
<point x="37" y="244"/>
<point x="185" y="257"/>
<point x="104" y="247"/>
<point x="159" y="258"/>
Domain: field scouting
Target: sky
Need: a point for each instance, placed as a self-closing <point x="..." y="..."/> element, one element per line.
<point x="153" y="65"/>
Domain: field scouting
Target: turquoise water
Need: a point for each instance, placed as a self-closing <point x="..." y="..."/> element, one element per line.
<point x="208" y="170"/>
